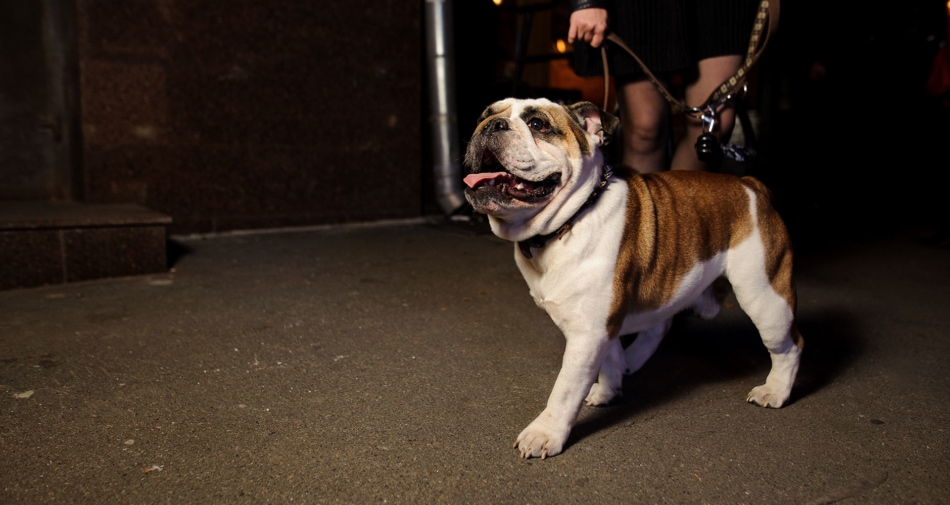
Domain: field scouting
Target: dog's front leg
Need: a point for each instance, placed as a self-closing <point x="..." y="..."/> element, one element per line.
<point x="609" y="383"/>
<point x="547" y="434"/>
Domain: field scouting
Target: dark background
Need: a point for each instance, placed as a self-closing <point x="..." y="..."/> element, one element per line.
<point x="242" y="115"/>
<point x="226" y="115"/>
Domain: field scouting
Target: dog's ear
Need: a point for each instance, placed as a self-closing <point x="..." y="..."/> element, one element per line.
<point x="594" y="121"/>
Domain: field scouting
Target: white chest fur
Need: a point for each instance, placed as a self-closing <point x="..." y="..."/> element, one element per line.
<point x="571" y="278"/>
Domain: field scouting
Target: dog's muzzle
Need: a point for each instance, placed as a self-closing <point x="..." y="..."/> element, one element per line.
<point x="507" y="184"/>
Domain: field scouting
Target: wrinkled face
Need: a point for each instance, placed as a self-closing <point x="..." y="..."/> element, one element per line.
<point x="524" y="153"/>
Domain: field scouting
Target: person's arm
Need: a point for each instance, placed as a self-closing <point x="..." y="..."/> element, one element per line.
<point x="588" y="22"/>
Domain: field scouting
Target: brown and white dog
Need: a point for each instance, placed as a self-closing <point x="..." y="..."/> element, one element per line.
<point x="615" y="254"/>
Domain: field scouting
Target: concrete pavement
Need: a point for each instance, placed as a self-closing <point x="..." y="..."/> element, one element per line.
<point x="397" y="363"/>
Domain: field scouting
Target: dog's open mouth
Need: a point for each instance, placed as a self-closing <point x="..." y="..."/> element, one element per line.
<point x="508" y="184"/>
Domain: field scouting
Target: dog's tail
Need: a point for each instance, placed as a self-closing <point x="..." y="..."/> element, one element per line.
<point x="757" y="186"/>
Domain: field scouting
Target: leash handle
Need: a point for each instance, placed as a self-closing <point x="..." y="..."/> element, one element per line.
<point x="768" y="12"/>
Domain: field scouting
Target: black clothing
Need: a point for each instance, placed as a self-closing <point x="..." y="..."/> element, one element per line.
<point x="668" y="35"/>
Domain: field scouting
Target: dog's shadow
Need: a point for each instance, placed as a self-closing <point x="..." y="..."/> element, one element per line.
<point x="696" y="353"/>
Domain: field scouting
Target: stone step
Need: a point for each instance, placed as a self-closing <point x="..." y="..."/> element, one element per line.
<point x="55" y="243"/>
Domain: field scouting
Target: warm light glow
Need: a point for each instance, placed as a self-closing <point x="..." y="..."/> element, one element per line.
<point x="496" y="2"/>
<point x="561" y="46"/>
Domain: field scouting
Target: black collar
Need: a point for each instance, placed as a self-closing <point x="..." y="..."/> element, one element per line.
<point x="539" y="241"/>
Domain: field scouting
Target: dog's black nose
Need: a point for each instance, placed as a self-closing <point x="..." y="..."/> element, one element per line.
<point x="496" y="125"/>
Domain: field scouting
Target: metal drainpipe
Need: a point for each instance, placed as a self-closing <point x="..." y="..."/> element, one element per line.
<point x="443" y="118"/>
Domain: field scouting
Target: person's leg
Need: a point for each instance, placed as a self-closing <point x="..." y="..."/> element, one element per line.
<point x="712" y="72"/>
<point x="644" y="116"/>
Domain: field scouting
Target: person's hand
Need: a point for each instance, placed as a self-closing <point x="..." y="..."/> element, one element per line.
<point x="588" y="25"/>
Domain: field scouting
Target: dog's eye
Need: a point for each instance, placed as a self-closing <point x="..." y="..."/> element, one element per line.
<point x="539" y="125"/>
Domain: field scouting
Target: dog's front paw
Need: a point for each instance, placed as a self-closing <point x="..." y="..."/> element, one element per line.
<point x="766" y="396"/>
<point x="540" y="439"/>
<point x="601" y="395"/>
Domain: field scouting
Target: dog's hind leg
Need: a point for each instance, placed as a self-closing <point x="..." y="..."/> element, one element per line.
<point x="609" y="385"/>
<point x="709" y="302"/>
<point x="783" y="342"/>
<point x="774" y="317"/>
<point x="642" y="347"/>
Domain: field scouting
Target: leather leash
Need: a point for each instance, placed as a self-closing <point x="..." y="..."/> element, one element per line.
<point x="768" y="11"/>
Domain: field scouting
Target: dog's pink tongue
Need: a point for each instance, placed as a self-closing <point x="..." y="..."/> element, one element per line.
<point x="474" y="180"/>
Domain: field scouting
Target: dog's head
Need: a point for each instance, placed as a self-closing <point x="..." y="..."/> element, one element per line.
<point x="533" y="163"/>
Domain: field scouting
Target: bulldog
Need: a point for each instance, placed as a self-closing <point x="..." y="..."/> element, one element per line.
<point x="610" y="252"/>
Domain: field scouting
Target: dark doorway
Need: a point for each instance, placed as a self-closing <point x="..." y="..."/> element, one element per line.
<point x="36" y="112"/>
